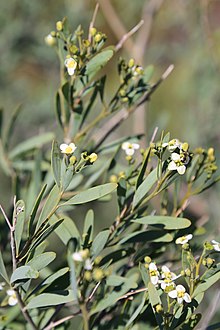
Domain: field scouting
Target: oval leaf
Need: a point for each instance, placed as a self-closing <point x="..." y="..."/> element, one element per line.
<point x="91" y="194"/>
<point x="98" y="62"/>
<point x="24" y="272"/>
<point x="166" y="222"/>
<point x="51" y="299"/>
<point x="42" y="260"/>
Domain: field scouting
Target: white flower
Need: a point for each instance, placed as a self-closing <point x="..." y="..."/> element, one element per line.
<point x="184" y="239"/>
<point x="2" y="284"/>
<point x="130" y="148"/>
<point x="216" y="245"/>
<point x="50" y="40"/>
<point x="181" y="294"/>
<point x="77" y="256"/>
<point x="172" y="145"/>
<point x="88" y="264"/>
<point x="71" y="65"/>
<point x="167" y="284"/>
<point x="153" y="272"/>
<point x="68" y="148"/>
<point x="166" y="273"/>
<point x="12" y="300"/>
<point x="177" y="163"/>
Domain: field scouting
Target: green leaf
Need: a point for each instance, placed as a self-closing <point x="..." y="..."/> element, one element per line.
<point x="144" y="274"/>
<point x="56" y="275"/>
<point x="156" y="236"/>
<point x="41" y="261"/>
<point x="99" y="242"/>
<point x="58" y="110"/>
<point x="143" y="168"/>
<point x="4" y="162"/>
<point x="1" y="121"/>
<point x="137" y="311"/>
<point x="67" y="229"/>
<point x="10" y="127"/>
<point x="98" y="62"/>
<point x="148" y="73"/>
<point x="155" y="300"/>
<point x="121" y="192"/>
<point x="34" y="210"/>
<point x="166" y="222"/>
<point x="88" y="228"/>
<point x="91" y="194"/>
<point x="111" y="298"/>
<point x="3" y="271"/>
<point x="144" y="188"/>
<point x="18" y="219"/>
<point x="49" y="206"/>
<point x="23" y="273"/>
<point x="51" y="299"/>
<point x="115" y="280"/>
<point x="73" y="279"/>
<point x="215" y="326"/>
<point x="56" y="163"/>
<point x="31" y="144"/>
<point x="202" y="287"/>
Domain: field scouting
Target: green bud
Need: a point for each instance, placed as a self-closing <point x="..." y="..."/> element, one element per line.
<point x="98" y="274"/>
<point x="147" y="259"/>
<point x="59" y="26"/>
<point x="131" y="63"/>
<point x="93" y="31"/>
<point x="188" y="272"/>
<point x="88" y="275"/>
<point x="210" y="262"/>
<point x="98" y="37"/>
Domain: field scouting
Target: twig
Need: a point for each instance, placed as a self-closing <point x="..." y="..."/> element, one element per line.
<point x="93" y="292"/>
<point x="131" y="293"/>
<point x="154" y="134"/>
<point x="128" y="35"/>
<point x="6" y="218"/>
<point x="54" y="324"/>
<point x="91" y="25"/>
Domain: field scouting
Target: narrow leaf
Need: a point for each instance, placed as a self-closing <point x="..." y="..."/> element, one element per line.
<point x="3" y="271"/>
<point x="24" y="272"/>
<point x="41" y="261"/>
<point x="165" y="222"/>
<point x="31" y="144"/>
<point x="91" y="194"/>
<point x="67" y="229"/>
<point x="18" y="219"/>
<point x="10" y="127"/>
<point x="99" y="242"/>
<point x="34" y="210"/>
<point x="98" y="62"/>
<point x="56" y="163"/>
<point x="51" y="299"/>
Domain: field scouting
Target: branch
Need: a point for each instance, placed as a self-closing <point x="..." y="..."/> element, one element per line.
<point x="93" y="21"/>
<point x="6" y="218"/>
<point x="128" y="35"/>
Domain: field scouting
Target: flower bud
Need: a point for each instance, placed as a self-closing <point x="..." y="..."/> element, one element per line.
<point x="98" y="274"/>
<point x="131" y="63"/>
<point x="113" y="178"/>
<point x="159" y="308"/>
<point x="59" y="26"/>
<point x="188" y="272"/>
<point x="147" y="259"/>
<point x="93" y="157"/>
<point x="210" y="262"/>
<point x="88" y="275"/>
<point x="93" y="31"/>
<point x="73" y="160"/>
<point x="50" y="40"/>
<point x="98" y="37"/>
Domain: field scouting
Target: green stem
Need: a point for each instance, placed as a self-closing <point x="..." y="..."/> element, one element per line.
<point x="85" y="316"/>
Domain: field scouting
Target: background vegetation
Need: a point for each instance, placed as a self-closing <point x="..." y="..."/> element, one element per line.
<point x="183" y="32"/>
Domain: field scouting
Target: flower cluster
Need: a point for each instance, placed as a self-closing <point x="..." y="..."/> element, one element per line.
<point x="179" y="155"/>
<point x="165" y="279"/>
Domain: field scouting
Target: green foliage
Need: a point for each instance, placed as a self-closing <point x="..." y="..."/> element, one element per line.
<point x="120" y="270"/>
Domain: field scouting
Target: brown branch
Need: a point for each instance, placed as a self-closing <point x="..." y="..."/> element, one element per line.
<point x="128" y="35"/>
<point x="93" y="21"/>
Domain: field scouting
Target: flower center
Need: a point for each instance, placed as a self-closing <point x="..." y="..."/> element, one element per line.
<point x="68" y="150"/>
<point x="180" y="294"/>
<point x="153" y="273"/>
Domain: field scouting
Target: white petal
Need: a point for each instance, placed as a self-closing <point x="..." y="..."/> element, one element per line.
<point x="165" y="269"/>
<point x="190" y="236"/>
<point x="180" y="288"/>
<point x="187" y="298"/>
<point x="12" y="301"/>
<point x="163" y="285"/>
<point x="77" y="256"/>
<point x="129" y="152"/>
<point x="175" y="156"/>
<point x="214" y="242"/>
<point x="63" y="146"/>
<point x="73" y="146"/>
<point x="135" y="145"/>
<point x="172" y="166"/>
<point x="179" y="300"/>
<point x="125" y="145"/>
<point x="88" y="264"/>
<point x="172" y="294"/>
<point x="165" y="144"/>
<point x="154" y="279"/>
<point x="71" y="71"/>
<point x="152" y="266"/>
<point x="181" y="169"/>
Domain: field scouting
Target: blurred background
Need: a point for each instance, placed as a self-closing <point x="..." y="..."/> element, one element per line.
<point x="185" y="33"/>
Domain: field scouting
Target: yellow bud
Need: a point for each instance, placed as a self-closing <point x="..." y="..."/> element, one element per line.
<point x="210" y="262"/>
<point x="84" y="253"/>
<point x="97" y="260"/>
<point x="113" y="178"/>
<point x="74" y="49"/>
<point x="211" y="155"/>
<point x="147" y="259"/>
<point x="188" y="272"/>
<point x="185" y="146"/>
<point x="59" y="26"/>
<point x="139" y="70"/>
<point x="93" y="31"/>
<point x="50" y="40"/>
<point x="204" y="262"/>
<point x="122" y="92"/>
<point x="86" y="43"/>
<point x="159" y="308"/>
<point x="98" y="274"/>
<point x="98" y="37"/>
<point x="93" y="157"/>
<point x="182" y="272"/>
<point x="121" y="174"/>
<point x="124" y="99"/>
<point x="131" y="63"/>
<point x="73" y="160"/>
<point x="87" y="275"/>
<point x="128" y="158"/>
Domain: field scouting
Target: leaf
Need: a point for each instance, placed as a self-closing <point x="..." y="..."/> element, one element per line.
<point x="215" y="326"/>
<point x="144" y="274"/>
<point x="18" y="219"/>
<point x="111" y="298"/>
<point x="155" y="300"/>
<point x="144" y="188"/>
<point x="1" y="121"/>
<point x="3" y="271"/>
<point x="51" y="299"/>
<point x="4" y="162"/>
<point x="10" y="127"/>
<point x="31" y="144"/>
<point x="137" y="311"/>
<point x="202" y="287"/>
<point x="143" y="168"/>
<point x="166" y="222"/>
<point x="56" y="275"/>
<point x="34" y="210"/>
<point x="91" y="194"/>
<point x="88" y="228"/>
<point x="49" y="206"/>
<point x="56" y="163"/>
<point x="41" y="261"/>
<point x="73" y="279"/>
<point x="121" y="192"/>
<point x="99" y="242"/>
<point x="58" y="110"/>
<point x="148" y="73"/>
<point x="67" y="229"/>
<point x="156" y="236"/>
<point x="98" y="62"/>
<point x="24" y="272"/>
